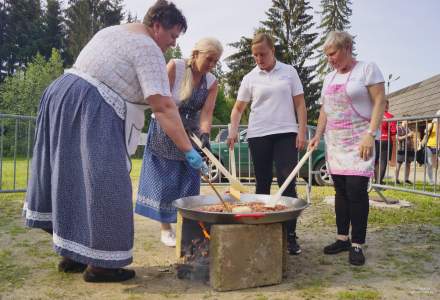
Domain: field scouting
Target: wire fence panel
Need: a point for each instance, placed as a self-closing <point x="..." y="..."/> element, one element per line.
<point x="407" y="156"/>
<point x="16" y="140"/>
<point x="406" y="159"/>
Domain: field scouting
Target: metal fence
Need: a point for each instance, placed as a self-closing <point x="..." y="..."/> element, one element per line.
<point x="243" y="161"/>
<point x="403" y="157"/>
<point x="16" y="141"/>
<point x="397" y="154"/>
<point x="16" y="144"/>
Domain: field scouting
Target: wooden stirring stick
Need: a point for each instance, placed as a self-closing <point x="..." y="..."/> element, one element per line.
<point x="225" y="204"/>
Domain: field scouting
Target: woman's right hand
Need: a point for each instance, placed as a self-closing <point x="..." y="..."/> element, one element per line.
<point x="313" y="143"/>
<point x="231" y="140"/>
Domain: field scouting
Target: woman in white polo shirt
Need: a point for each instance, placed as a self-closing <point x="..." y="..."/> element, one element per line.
<point x="274" y="133"/>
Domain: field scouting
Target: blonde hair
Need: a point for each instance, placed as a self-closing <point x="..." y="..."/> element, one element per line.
<point x="204" y="45"/>
<point x="339" y="39"/>
<point x="260" y="37"/>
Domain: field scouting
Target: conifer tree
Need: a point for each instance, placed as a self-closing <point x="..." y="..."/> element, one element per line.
<point x="132" y="18"/>
<point x="86" y="17"/>
<point x="239" y="63"/>
<point x="335" y="16"/>
<point x="174" y="52"/>
<point x="22" y="33"/>
<point x="53" y="28"/>
<point x="3" y="45"/>
<point x="291" y="24"/>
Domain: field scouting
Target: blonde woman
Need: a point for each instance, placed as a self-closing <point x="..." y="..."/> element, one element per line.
<point x="277" y="121"/>
<point x="165" y="176"/>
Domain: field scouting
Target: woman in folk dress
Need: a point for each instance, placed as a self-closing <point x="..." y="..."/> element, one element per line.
<point x="165" y="176"/>
<point x="88" y="124"/>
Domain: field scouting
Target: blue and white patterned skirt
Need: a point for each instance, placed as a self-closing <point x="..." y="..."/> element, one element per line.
<point x="80" y="184"/>
<point x="161" y="182"/>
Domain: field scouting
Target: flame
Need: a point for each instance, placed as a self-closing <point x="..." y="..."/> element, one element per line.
<point x="205" y="232"/>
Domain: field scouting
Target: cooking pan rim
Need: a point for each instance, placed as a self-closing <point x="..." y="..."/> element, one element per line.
<point x="304" y="205"/>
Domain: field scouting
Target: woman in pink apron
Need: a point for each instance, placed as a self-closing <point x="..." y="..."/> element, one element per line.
<point x="353" y="102"/>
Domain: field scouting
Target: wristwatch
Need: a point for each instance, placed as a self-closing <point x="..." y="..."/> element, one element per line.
<point x="371" y="132"/>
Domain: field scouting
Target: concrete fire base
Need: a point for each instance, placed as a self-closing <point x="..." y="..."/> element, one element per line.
<point x="240" y="256"/>
<point x="245" y="256"/>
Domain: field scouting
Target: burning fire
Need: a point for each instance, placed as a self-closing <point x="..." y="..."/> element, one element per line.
<point x="205" y="232"/>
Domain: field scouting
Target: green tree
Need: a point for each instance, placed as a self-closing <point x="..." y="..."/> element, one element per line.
<point x="109" y="13"/>
<point x="53" y="28"/>
<point x="291" y="24"/>
<point x="22" y="33"/>
<point x="174" y="52"/>
<point x="131" y="18"/>
<point x="335" y="15"/>
<point x="20" y="93"/>
<point x="239" y="63"/>
<point x="223" y="107"/>
<point x="219" y="73"/>
<point x="3" y="46"/>
<point x="86" y="17"/>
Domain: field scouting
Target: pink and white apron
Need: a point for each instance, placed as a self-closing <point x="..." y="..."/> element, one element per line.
<point x="344" y="131"/>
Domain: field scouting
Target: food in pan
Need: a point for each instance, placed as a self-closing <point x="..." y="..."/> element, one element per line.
<point x="249" y="207"/>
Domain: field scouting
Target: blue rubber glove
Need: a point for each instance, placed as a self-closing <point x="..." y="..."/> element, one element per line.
<point x="204" y="169"/>
<point x="194" y="159"/>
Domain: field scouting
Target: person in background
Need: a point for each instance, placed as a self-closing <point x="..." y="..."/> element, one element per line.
<point x="383" y="146"/>
<point x="274" y="133"/>
<point x="194" y="91"/>
<point x="431" y="141"/>
<point x="353" y="103"/>
<point x="405" y="150"/>
<point x="88" y="123"/>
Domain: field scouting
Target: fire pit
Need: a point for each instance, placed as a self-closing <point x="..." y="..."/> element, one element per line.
<point x="192" y="250"/>
<point x="230" y="256"/>
<point x="233" y="251"/>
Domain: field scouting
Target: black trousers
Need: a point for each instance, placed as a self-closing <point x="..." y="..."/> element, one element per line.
<point x="351" y="206"/>
<point x="281" y="150"/>
<point x="381" y="160"/>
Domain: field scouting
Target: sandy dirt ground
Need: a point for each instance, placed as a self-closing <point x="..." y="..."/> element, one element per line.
<point x="403" y="262"/>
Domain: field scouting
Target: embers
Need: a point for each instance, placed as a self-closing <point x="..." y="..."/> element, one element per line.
<point x="195" y="256"/>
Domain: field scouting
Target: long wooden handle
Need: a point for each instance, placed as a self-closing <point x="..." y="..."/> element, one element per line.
<point x="232" y="160"/>
<point x="216" y="162"/>
<point x="232" y="157"/>
<point x="295" y="171"/>
<point x="225" y="204"/>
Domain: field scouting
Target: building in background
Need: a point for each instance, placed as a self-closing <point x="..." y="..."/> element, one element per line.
<point x="419" y="99"/>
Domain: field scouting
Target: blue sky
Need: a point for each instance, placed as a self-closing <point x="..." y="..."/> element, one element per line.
<point x="401" y="36"/>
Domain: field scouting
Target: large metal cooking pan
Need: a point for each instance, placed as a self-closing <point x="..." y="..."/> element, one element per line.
<point x="188" y="209"/>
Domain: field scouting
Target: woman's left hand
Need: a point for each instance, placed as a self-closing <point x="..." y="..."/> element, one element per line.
<point x="300" y="142"/>
<point x="366" y="147"/>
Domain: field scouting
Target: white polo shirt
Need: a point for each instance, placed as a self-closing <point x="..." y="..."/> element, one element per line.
<point x="272" y="108"/>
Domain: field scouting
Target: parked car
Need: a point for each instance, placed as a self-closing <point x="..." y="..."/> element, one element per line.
<point x="244" y="164"/>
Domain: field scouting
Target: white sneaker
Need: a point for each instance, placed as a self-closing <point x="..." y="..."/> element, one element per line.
<point x="168" y="237"/>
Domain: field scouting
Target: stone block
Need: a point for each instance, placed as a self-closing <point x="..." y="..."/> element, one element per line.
<point x="245" y="256"/>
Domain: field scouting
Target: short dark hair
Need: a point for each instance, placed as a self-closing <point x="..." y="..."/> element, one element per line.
<point x="166" y="14"/>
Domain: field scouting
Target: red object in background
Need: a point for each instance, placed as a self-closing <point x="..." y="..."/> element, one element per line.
<point x="384" y="127"/>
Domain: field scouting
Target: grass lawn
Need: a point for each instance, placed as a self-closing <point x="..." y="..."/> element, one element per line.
<point x="403" y="257"/>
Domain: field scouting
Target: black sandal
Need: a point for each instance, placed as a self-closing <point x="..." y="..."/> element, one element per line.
<point x="108" y="275"/>
<point x="66" y="265"/>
